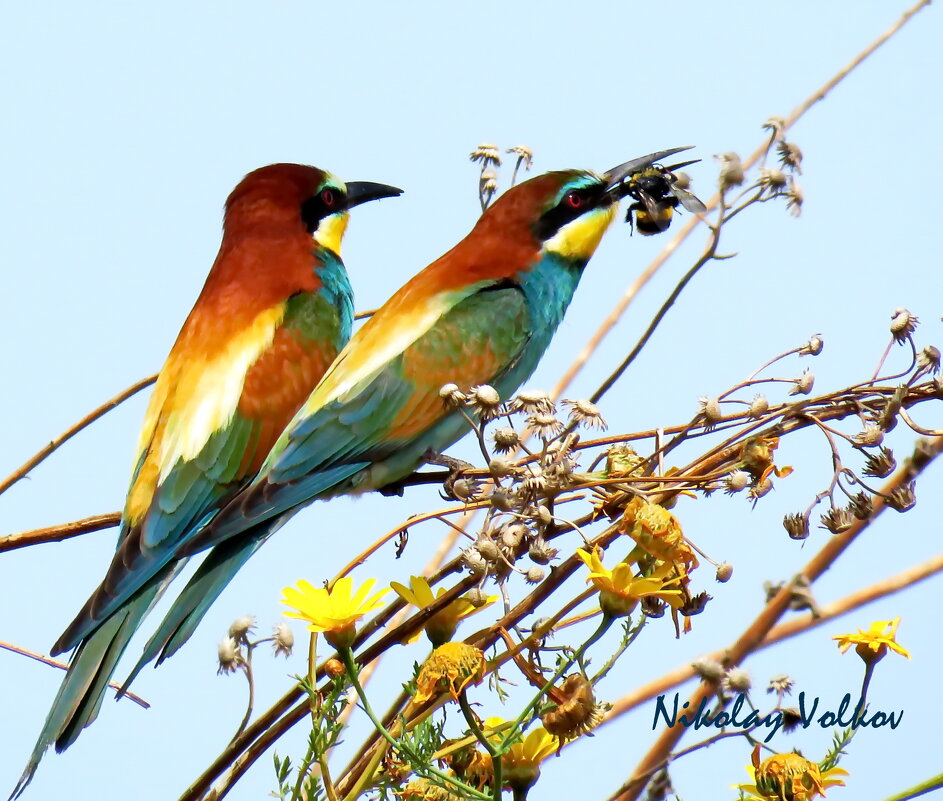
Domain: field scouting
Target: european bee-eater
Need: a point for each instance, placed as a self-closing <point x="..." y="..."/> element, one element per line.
<point x="484" y="313"/>
<point x="275" y="311"/>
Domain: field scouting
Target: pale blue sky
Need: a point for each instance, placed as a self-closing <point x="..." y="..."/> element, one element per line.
<point x="126" y="126"/>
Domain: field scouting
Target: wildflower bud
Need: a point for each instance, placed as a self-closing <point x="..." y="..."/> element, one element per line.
<point x="499" y="467"/>
<point x="513" y="535"/>
<point x="837" y="520"/>
<point x="464" y="488"/>
<point x="710" y="411"/>
<point x="474" y="561"/>
<point x="731" y="170"/>
<point x="928" y="360"/>
<point x="813" y="347"/>
<point x="902" y="498"/>
<point x="708" y="669"/>
<point x="505" y="439"/>
<point x="334" y="667"/>
<point x="803" y="384"/>
<point x="903" y="324"/>
<point x="724" y="572"/>
<point x="585" y="413"/>
<point x="790" y="156"/>
<point x="488" y="549"/>
<point x="738" y="680"/>
<point x="452" y="396"/>
<point x="533" y="401"/>
<point x="736" y="480"/>
<point x="540" y="552"/>
<point x="534" y="575"/>
<point x="797" y="526"/>
<point x="241" y="627"/>
<point x="772" y="179"/>
<point x="860" y="506"/>
<point x="759" y="406"/>
<point x="501" y="499"/>
<point x="869" y="437"/>
<point x="283" y="640"/>
<point x="880" y="464"/>
<point x="230" y="656"/>
<point x="476" y="597"/>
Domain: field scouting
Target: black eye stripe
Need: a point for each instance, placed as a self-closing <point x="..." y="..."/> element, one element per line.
<point x="567" y="210"/>
<point x="329" y="200"/>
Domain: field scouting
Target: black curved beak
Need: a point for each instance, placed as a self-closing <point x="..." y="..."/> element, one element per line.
<point x="615" y="185"/>
<point x="364" y="191"/>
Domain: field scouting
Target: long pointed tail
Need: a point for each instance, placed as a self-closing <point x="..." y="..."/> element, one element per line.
<point x="206" y="585"/>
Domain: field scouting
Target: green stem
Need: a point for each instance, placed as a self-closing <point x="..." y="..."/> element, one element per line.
<point x="921" y="789"/>
<point x="489" y="747"/>
<point x="403" y="748"/>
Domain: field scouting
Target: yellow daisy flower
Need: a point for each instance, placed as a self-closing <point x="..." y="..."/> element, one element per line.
<point x="441" y="627"/>
<point x="520" y="766"/>
<point x="336" y="611"/>
<point x="620" y="589"/>
<point x="873" y="644"/>
<point x="449" y="668"/>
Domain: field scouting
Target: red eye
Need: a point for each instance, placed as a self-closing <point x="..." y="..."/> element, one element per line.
<point x="327" y="197"/>
<point x="574" y="201"/>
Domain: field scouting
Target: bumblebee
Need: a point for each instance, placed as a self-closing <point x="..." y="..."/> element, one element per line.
<point x="657" y="194"/>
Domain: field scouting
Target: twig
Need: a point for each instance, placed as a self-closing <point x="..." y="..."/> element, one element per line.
<point x="61" y="532"/>
<point x="41" y="456"/>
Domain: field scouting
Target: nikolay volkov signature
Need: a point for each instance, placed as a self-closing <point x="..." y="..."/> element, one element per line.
<point x="737" y="717"/>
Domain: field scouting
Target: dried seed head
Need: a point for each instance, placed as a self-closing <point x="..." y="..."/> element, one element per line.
<point x="928" y="360"/>
<point x="736" y="480"/>
<point x="869" y="437"/>
<point x="797" y="526"/>
<point x="710" y="411"/>
<point x="540" y="552"/>
<point x="813" y="347"/>
<point x="761" y="488"/>
<point x="585" y="413"/>
<point x="790" y="156"/>
<point x="738" y="680"/>
<point x="781" y="684"/>
<point x="543" y="515"/>
<point x="795" y="197"/>
<point x="334" y="667"/>
<point x="837" y="520"/>
<point x="903" y="325"/>
<point x="759" y="405"/>
<point x="792" y="717"/>
<point x="576" y="713"/>
<point x="534" y="575"/>
<point x="242" y="627"/>
<point x="731" y="170"/>
<point x="477" y="597"/>
<point x="513" y="535"/>
<point x="880" y="464"/>
<point x="503" y="500"/>
<point x="533" y="401"/>
<point x="474" y="561"/>
<point x="653" y="607"/>
<point x="903" y="497"/>
<point x="488" y="548"/>
<point x="776" y="126"/>
<point x="283" y="640"/>
<point x="724" y="572"/>
<point x="230" y="656"/>
<point x="486" y="401"/>
<point x="772" y="179"/>
<point x="695" y="604"/>
<point x="802" y="385"/>
<point x="500" y="467"/>
<point x="682" y="180"/>
<point x="487" y="153"/>
<point x="464" y="488"/>
<point x="709" y="669"/>
<point x="525" y="156"/>
<point x="860" y="506"/>
<point x="452" y="396"/>
<point x="545" y="426"/>
<point x="505" y="440"/>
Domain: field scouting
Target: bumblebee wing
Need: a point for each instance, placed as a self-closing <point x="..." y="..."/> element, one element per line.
<point x="688" y="200"/>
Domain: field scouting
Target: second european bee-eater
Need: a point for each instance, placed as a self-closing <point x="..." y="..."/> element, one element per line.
<point x="484" y="313"/>
<point x="274" y="312"/>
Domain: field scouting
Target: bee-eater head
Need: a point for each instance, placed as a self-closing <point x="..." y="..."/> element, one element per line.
<point x="567" y="212"/>
<point x="300" y="197"/>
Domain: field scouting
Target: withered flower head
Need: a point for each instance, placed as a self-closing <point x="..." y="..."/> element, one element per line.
<point x="797" y="525"/>
<point x="230" y="656"/>
<point x="860" y="506"/>
<point x="802" y="385"/>
<point x="505" y="439"/>
<point x="709" y="669"/>
<point x="869" y="437"/>
<point x="450" y="668"/>
<point x="485" y="400"/>
<point x="903" y="497"/>
<point x="813" y="347"/>
<point x="759" y="405"/>
<point x="695" y="604"/>
<point x="772" y="179"/>
<point x="903" y="325"/>
<point x="710" y="411"/>
<point x="795" y="197"/>
<point x="738" y="679"/>
<point x="585" y="413"/>
<point x="544" y="425"/>
<point x="731" y="170"/>
<point x="790" y="156"/>
<point x="487" y="153"/>
<point x="533" y="401"/>
<point x="724" y="572"/>
<point x="928" y="360"/>
<point x="781" y="684"/>
<point x="837" y="520"/>
<point x="576" y="713"/>
<point x="736" y="480"/>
